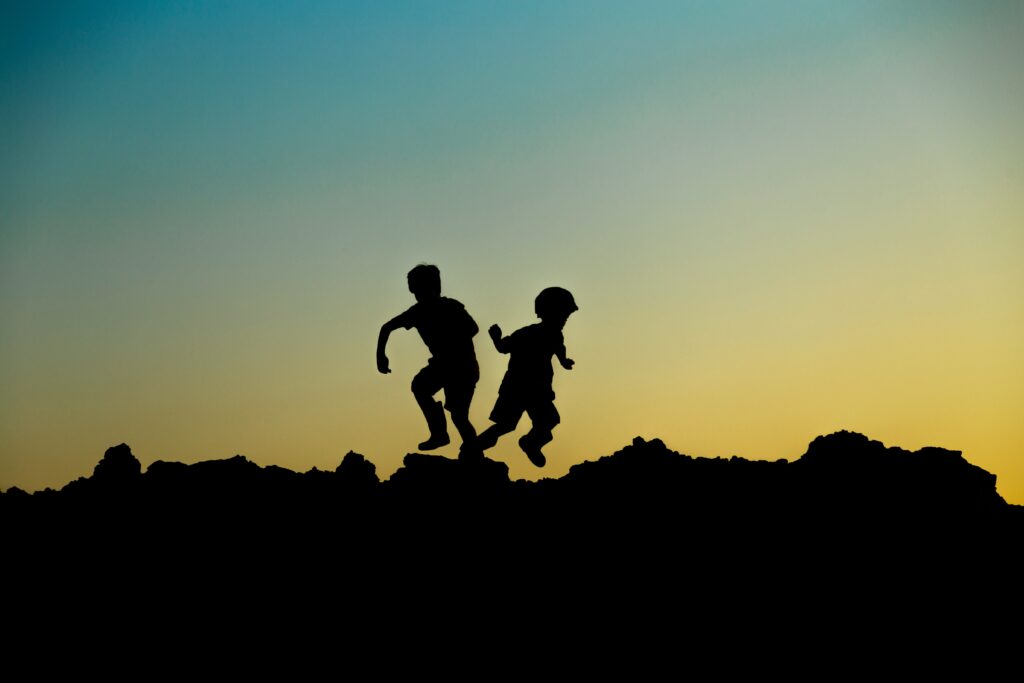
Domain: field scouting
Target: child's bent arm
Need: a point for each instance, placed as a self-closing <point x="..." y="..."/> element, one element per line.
<point x="565" y="362"/>
<point x="500" y="343"/>
<point x="382" y="343"/>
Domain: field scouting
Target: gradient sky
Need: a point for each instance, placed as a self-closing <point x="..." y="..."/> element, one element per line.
<point x="779" y="220"/>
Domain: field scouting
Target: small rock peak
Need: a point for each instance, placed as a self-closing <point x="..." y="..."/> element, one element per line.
<point x="118" y="464"/>
<point x="356" y="466"/>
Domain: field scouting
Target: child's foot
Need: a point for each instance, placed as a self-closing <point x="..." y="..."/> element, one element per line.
<point x="532" y="452"/>
<point x="435" y="441"/>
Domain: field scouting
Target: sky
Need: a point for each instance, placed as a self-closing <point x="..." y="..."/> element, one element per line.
<point x="779" y="220"/>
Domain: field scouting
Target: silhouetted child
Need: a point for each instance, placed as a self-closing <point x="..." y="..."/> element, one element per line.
<point x="527" y="383"/>
<point x="448" y="330"/>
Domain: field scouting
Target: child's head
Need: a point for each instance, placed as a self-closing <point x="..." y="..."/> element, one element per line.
<point x="555" y="305"/>
<point x="425" y="282"/>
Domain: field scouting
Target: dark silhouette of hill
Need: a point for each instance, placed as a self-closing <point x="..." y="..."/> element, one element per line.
<point x="843" y="482"/>
<point x="849" y="530"/>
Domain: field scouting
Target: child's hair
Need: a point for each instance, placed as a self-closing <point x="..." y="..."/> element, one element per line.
<point x="554" y="302"/>
<point x="425" y="278"/>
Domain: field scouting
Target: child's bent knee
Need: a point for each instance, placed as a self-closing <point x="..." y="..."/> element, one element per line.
<point x="421" y="387"/>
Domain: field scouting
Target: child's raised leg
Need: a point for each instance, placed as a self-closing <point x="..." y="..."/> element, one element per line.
<point x="490" y="436"/>
<point x="544" y="418"/>
<point x="531" y="444"/>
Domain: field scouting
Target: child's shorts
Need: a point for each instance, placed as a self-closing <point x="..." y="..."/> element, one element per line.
<point x="509" y="409"/>
<point x="458" y="384"/>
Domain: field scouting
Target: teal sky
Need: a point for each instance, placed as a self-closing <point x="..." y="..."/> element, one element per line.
<point x="779" y="219"/>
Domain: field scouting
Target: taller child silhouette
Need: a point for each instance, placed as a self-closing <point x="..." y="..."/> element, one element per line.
<point x="448" y="330"/>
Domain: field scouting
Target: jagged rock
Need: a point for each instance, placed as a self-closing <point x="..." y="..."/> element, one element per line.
<point x="118" y="467"/>
<point x="420" y="469"/>
<point x="643" y="491"/>
<point x="163" y="469"/>
<point x="356" y="469"/>
<point x="849" y="471"/>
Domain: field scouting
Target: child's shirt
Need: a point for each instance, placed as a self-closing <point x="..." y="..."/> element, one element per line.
<point x="446" y="328"/>
<point x="530" y="351"/>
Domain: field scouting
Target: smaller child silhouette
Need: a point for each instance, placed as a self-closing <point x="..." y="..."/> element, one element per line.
<point x="526" y="386"/>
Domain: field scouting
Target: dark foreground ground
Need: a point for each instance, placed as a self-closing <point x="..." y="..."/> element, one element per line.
<point x="645" y="546"/>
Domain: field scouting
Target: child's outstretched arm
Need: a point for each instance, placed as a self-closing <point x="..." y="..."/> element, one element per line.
<point x="382" y="342"/>
<point x="500" y="343"/>
<point x="566" y="363"/>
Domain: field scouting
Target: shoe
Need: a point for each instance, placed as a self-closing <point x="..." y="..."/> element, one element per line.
<point x="532" y="452"/>
<point x="434" y="441"/>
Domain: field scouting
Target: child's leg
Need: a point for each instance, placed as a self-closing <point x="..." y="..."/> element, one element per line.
<point x="458" y="395"/>
<point x="537" y="437"/>
<point x="532" y="442"/>
<point x="425" y="384"/>
<point x="490" y="436"/>
<point x="544" y="418"/>
<point x="505" y="416"/>
<point x="466" y="429"/>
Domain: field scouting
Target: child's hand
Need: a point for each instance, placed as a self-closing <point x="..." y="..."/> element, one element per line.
<point x="495" y="332"/>
<point x="382" y="364"/>
<point x="567" y="363"/>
